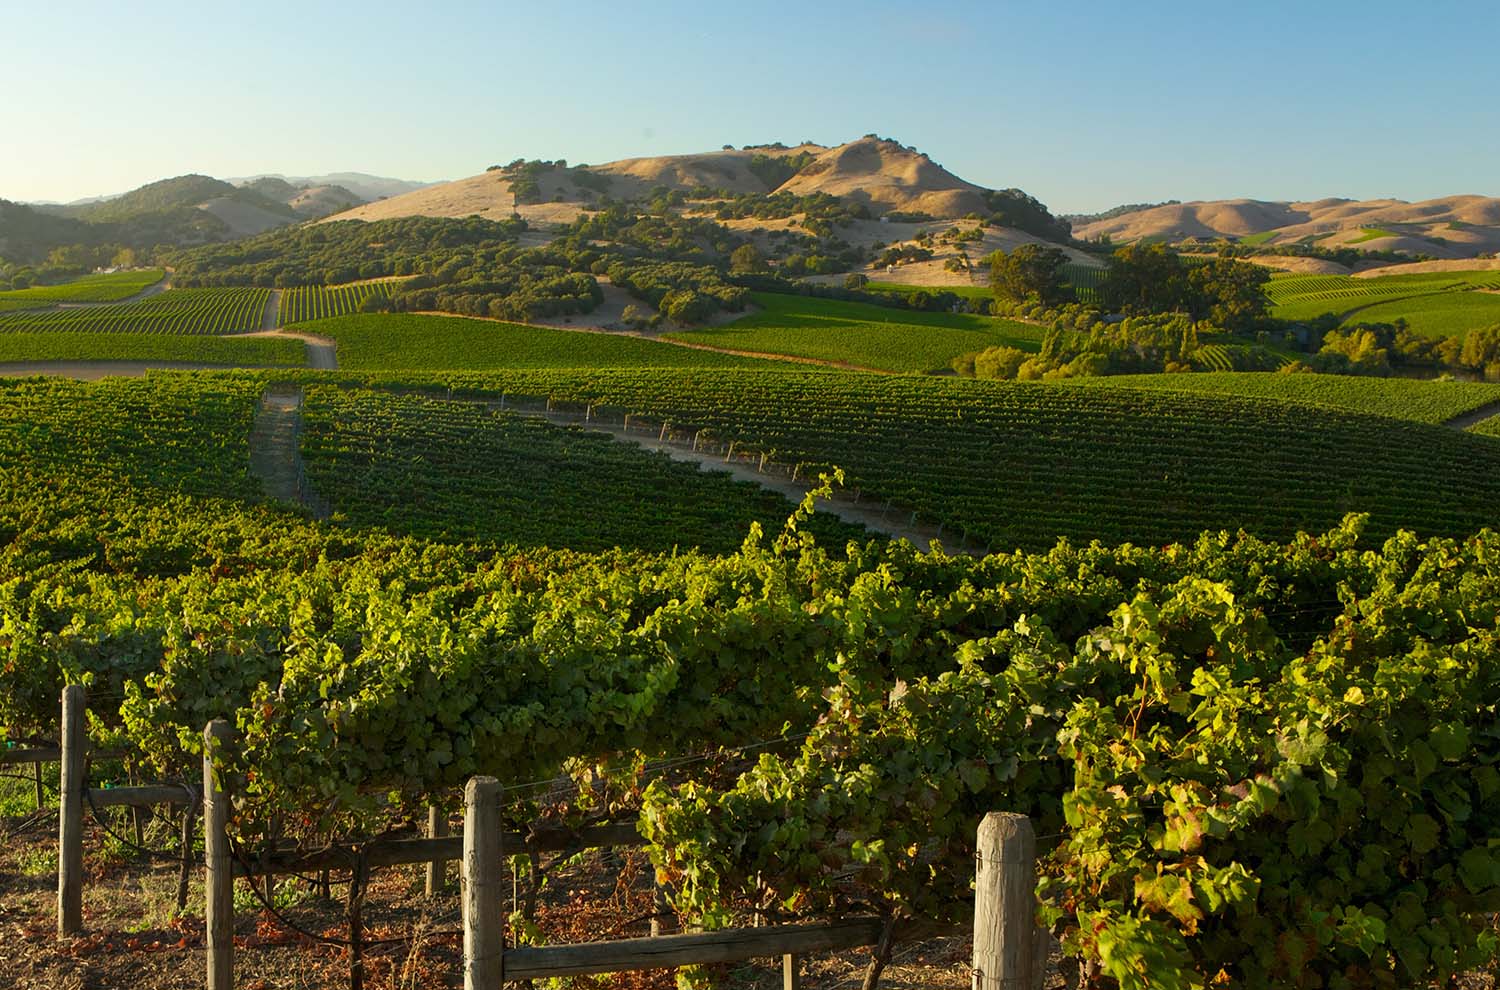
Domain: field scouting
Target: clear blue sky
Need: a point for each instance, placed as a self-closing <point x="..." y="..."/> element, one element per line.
<point x="1085" y="104"/>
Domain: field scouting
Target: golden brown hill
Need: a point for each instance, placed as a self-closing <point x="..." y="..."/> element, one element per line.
<point x="884" y="175"/>
<point x="1450" y="227"/>
<point x="888" y="177"/>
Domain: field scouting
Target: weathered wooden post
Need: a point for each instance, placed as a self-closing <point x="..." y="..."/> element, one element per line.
<point x="41" y="795"/>
<point x="218" y="882"/>
<point x="70" y="784"/>
<point x="791" y="973"/>
<point x="185" y="869"/>
<point x="483" y="910"/>
<point x="437" y="870"/>
<point x="1005" y="937"/>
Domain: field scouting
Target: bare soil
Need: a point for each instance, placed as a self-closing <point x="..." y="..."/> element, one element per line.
<point x="134" y="936"/>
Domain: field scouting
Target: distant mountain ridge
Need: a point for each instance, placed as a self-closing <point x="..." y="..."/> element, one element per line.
<point x="1449" y="227"/>
<point x="364" y="186"/>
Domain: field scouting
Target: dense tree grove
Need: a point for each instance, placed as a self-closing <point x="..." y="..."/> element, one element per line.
<point x="1031" y="271"/>
<point x="1382" y="348"/>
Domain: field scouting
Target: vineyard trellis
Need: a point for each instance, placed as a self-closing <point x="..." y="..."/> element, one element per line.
<point x="179" y="311"/>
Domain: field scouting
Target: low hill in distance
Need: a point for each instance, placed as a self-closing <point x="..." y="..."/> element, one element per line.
<point x="1447" y="228"/>
<point x="365" y="187"/>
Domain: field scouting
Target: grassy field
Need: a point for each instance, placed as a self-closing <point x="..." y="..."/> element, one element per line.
<point x="19" y="347"/>
<point x="403" y="341"/>
<point x="1372" y="234"/>
<point x="179" y="311"/>
<point x="1400" y="398"/>
<point x="861" y="335"/>
<point x="89" y="288"/>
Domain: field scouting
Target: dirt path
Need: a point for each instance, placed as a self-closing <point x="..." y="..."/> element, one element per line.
<point x="877" y="517"/>
<point x="322" y="352"/>
<point x="270" y="319"/>
<point x="275" y="455"/>
<point x="1474" y="416"/>
<point x="146" y="293"/>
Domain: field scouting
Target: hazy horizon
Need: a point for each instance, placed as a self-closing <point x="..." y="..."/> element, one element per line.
<point x="1085" y="109"/>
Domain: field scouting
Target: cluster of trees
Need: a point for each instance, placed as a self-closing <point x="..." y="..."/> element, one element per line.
<point x="1344" y="256"/>
<point x="525" y="177"/>
<point x="1082" y="343"/>
<point x="503" y="283"/>
<point x="1382" y="348"/>
<point x="1014" y="208"/>
<point x="901" y="254"/>
<point x="777" y="206"/>
<point x="774" y="170"/>
<point x="342" y="251"/>
<point x="68" y="262"/>
<point x="1142" y="279"/>
<point x="683" y="293"/>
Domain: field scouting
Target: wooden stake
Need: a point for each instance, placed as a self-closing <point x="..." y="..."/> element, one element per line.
<point x="218" y="893"/>
<point x="437" y="872"/>
<point x="70" y="812"/>
<point x="184" y="873"/>
<point x="1005" y="904"/>
<point x="484" y="920"/>
<point x="791" y="975"/>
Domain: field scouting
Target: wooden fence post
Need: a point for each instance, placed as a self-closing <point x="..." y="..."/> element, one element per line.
<point x="73" y="741"/>
<point x="218" y="883"/>
<point x="1005" y="904"/>
<point x="483" y="910"/>
<point x="41" y="794"/>
<point x="437" y="870"/>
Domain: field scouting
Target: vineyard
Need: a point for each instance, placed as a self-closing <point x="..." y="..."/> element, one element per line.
<point x="90" y="288"/>
<point x="65" y="346"/>
<point x="1400" y="398"/>
<point x="465" y="471"/>
<point x="1020" y="464"/>
<point x="1248" y="763"/>
<point x="1384" y="299"/>
<point x="180" y="311"/>
<point x="862" y="335"/>
<point x="404" y="341"/>
<point x="319" y="302"/>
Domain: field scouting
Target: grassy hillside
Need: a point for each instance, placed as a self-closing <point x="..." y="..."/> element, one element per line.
<point x="1013" y="464"/>
<point x="1401" y="398"/>
<point x="403" y="341"/>
<point x="862" y="335"/>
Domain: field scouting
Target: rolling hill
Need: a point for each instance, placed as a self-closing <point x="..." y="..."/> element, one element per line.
<point x="1450" y="227"/>
<point x="884" y="175"/>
